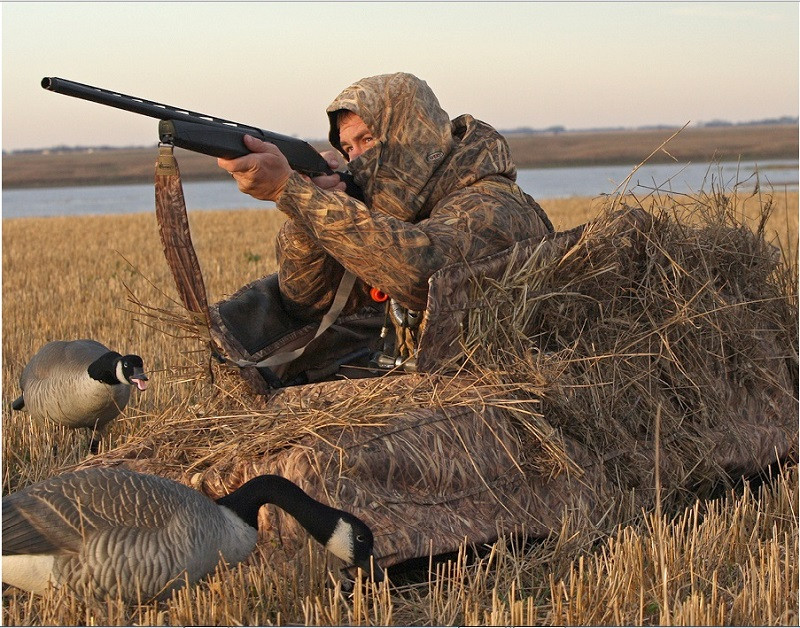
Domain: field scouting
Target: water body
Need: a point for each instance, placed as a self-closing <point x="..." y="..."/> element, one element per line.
<point x="544" y="183"/>
<point x="683" y="179"/>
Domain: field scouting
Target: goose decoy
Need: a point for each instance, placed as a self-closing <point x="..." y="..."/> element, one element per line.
<point x="79" y="383"/>
<point x="140" y="536"/>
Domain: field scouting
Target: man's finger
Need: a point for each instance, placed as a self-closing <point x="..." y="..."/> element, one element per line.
<point x="327" y="181"/>
<point x="332" y="159"/>
<point x="256" y="145"/>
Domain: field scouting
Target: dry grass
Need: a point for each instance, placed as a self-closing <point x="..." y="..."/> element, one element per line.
<point x="698" y="145"/>
<point x="732" y="560"/>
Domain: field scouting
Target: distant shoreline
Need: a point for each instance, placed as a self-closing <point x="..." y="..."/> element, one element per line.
<point x="530" y="150"/>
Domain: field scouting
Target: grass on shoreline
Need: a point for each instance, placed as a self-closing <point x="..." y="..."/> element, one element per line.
<point x="542" y="150"/>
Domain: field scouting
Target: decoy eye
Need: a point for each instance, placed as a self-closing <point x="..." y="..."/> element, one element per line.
<point x="361" y="538"/>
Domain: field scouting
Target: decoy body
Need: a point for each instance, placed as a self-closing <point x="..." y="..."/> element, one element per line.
<point x="79" y="383"/>
<point x="140" y="536"/>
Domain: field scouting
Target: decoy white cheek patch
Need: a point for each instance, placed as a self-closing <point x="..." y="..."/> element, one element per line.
<point x="341" y="542"/>
<point x="120" y="374"/>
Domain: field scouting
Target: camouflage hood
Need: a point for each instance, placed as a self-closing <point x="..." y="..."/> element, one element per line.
<point x="416" y="159"/>
<point x="436" y="192"/>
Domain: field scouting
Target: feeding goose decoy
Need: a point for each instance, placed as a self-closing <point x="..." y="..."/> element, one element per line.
<point x="140" y="536"/>
<point x="79" y="383"/>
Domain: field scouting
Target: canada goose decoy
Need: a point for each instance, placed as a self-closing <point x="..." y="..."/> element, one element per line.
<point x="140" y="536"/>
<point x="79" y="383"/>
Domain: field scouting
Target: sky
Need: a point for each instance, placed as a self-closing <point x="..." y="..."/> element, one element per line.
<point x="513" y="64"/>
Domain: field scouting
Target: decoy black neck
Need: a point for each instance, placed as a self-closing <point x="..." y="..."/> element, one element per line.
<point x="318" y="519"/>
<point x="103" y="369"/>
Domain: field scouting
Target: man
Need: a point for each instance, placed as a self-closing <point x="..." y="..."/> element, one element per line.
<point x="436" y="192"/>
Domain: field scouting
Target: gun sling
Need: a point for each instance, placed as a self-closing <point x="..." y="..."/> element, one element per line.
<point x="185" y="267"/>
<point x="339" y="301"/>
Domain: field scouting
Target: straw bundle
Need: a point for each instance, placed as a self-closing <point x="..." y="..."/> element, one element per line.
<point x="671" y="337"/>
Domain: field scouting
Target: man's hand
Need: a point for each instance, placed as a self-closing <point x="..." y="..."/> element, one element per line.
<point x="263" y="173"/>
<point x="330" y="182"/>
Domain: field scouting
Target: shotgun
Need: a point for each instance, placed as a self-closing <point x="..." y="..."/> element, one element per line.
<point x="203" y="133"/>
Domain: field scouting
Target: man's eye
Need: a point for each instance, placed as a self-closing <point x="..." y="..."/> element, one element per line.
<point x="368" y="140"/>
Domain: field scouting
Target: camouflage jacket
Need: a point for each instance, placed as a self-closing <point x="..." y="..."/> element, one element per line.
<point x="436" y="192"/>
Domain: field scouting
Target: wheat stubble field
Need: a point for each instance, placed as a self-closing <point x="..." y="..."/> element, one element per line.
<point x="732" y="560"/>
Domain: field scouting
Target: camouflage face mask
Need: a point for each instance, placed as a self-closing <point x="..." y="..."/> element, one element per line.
<point x="412" y="134"/>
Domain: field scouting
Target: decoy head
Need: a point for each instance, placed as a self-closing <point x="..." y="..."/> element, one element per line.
<point x="130" y="369"/>
<point x="352" y="541"/>
<point x="341" y="533"/>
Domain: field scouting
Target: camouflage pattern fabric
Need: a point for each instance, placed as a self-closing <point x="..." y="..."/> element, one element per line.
<point x="436" y="191"/>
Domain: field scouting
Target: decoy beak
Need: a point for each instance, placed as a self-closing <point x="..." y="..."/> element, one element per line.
<point x="141" y="380"/>
<point x="369" y="566"/>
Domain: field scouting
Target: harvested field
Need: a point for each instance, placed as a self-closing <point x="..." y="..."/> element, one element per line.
<point x="727" y="560"/>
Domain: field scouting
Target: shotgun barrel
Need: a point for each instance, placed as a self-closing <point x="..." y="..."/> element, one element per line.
<point x="198" y="132"/>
